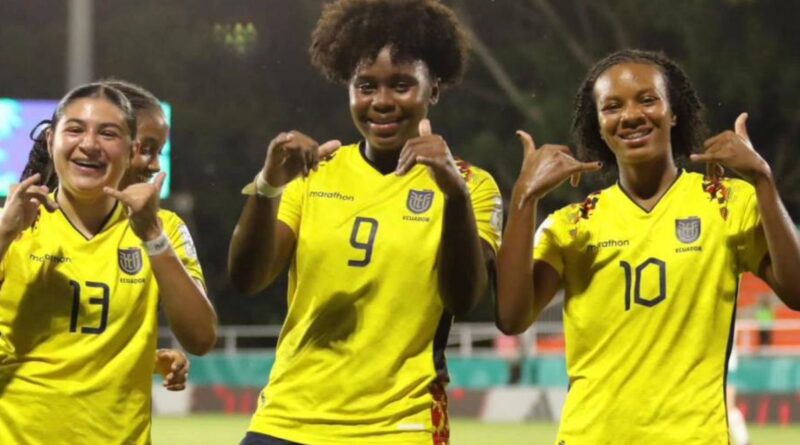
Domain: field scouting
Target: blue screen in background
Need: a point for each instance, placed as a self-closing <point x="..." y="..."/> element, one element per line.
<point x="17" y="119"/>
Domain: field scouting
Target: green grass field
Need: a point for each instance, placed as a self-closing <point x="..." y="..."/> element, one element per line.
<point x="229" y="430"/>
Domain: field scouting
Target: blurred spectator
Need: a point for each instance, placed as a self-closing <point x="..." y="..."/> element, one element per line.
<point x="765" y="316"/>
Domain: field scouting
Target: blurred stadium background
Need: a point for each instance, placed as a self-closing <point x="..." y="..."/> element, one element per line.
<point x="236" y="73"/>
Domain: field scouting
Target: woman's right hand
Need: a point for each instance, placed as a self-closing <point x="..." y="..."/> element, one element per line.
<point x="22" y="206"/>
<point x="545" y="168"/>
<point x="291" y="154"/>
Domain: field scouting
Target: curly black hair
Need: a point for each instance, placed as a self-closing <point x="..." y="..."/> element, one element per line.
<point x="352" y="31"/>
<point x="689" y="131"/>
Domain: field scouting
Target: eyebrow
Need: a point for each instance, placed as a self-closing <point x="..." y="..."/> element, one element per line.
<point x="102" y="124"/>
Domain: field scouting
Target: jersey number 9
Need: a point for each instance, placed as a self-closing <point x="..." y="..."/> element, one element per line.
<point x="361" y="245"/>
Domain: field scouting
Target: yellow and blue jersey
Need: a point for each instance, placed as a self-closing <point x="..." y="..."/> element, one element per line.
<point x="361" y="354"/>
<point x="78" y="330"/>
<point x="649" y="305"/>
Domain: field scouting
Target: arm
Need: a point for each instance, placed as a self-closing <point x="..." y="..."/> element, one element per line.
<point x="461" y="261"/>
<point x="190" y="314"/>
<point x="733" y="149"/>
<point x="779" y="268"/>
<point x="261" y="246"/>
<point x="462" y="257"/>
<point x="525" y="286"/>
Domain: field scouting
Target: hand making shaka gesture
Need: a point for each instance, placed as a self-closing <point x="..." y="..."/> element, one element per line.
<point x="22" y="206"/>
<point x="431" y="150"/>
<point x="142" y="201"/>
<point x="545" y="168"/>
<point x="733" y="149"/>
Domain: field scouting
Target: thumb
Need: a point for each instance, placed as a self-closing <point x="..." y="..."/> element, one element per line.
<point x="159" y="181"/>
<point x="527" y="141"/>
<point x="740" y="126"/>
<point x="425" y="127"/>
<point x="328" y="148"/>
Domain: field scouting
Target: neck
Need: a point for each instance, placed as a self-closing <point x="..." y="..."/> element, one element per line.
<point x="87" y="215"/>
<point x="385" y="161"/>
<point x="645" y="183"/>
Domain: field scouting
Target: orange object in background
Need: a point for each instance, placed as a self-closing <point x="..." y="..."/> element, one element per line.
<point x="751" y="290"/>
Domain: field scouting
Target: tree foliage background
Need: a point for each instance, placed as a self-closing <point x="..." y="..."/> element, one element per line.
<point x="233" y="88"/>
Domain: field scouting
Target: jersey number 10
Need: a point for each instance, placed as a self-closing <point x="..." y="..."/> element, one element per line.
<point x="635" y="283"/>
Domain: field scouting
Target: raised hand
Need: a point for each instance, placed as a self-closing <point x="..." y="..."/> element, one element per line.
<point x="431" y="150"/>
<point x="173" y="366"/>
<point x="546" y="168"/>
<point x="22" y="206"/>
<point x="142" y="201"/>
<point x="733" y="150"/>
<point x="291" y="154"/>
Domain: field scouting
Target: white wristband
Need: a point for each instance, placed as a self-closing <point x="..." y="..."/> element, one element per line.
<point x="156" y="246"/>
<point x="264" y="189"/>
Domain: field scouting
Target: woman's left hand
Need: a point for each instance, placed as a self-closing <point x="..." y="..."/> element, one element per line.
<point x="142" y="203"/>
<point x="733" y="149"/>
<point x="173" y="366"/>
<point x="431" y="150"/>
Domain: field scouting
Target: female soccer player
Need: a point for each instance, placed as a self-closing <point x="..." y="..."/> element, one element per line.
<point x="81" y="285"/>
<point x="650" y="265"/>
<point x="151" y="136"/>
<point x="385" y="239"/>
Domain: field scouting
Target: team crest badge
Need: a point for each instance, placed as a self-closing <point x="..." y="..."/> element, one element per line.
<point x="130" y="260"/>
<point x="687" y="230"/>
<point x="419" y="201"/>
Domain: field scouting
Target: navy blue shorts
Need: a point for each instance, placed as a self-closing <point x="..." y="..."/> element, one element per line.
<point x="262" y="439"/>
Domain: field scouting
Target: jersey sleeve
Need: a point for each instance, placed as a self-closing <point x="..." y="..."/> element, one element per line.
<point x="290" y="210"/>
<point x="751" y="242"/>
<point x="487" y="204"/>
<point x="550" y="240"/>
<point x="183" y="245"/>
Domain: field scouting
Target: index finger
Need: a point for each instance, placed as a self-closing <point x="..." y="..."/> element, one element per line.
<point x="24" y="184"/>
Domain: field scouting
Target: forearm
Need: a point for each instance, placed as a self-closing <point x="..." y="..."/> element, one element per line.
<point x="515" y="292"/>
<point x="191" y="316"/>
<point x="5" y="243"/>
<point x="462" y="269"/>
<point x="782" y="243"/>
<point x="253" y="252"/>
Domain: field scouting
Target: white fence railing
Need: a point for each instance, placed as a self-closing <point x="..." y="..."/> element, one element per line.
<point x="475" y="339"/>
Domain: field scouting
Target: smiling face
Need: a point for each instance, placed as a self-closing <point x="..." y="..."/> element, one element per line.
<point x="634" y="112"/>
<point x="151" y="134"/>
<point x="388" y="100"/>
<point x="90" y="147"/>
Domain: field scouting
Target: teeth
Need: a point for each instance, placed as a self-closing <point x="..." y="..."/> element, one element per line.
<point x="638" y="134"/>
<point x="87" y="164"/>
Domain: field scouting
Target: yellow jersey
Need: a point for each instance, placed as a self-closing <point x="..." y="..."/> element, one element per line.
<point x="648" y="310"/>
<point x="360" y="358"/>
<point x="78" y="331"/>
